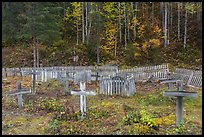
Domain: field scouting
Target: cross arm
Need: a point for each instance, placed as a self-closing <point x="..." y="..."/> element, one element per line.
<point x="79" y="92"/>
<point x="180" y="94"/>
<point x="168" y="81"/>
<point x="25" y="91"/>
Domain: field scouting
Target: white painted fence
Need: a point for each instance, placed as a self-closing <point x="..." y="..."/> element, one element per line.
<point x="117" y="86"/>
<point x="142" y="73"/>
<point x="190" y="77"/>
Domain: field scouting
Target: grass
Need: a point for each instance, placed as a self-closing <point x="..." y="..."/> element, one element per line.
<point x="50" y="112"/>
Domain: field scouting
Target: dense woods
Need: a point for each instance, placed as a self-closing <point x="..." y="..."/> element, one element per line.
<point x="98" y="33"/>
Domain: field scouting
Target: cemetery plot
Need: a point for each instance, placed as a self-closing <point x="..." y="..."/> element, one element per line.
<point x="146" y="112"/>
<point x="117" y="86"/>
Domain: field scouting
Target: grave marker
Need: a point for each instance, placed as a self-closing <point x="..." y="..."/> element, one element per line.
<point x="118" y="85"/>
<point x="83" y="77"/>
<point x="19" y="91"/>
<point x="66" y="80"/>
<point x="170" y="83"/>
<point x="180" y="93"/>
<point x="33" y="73"/>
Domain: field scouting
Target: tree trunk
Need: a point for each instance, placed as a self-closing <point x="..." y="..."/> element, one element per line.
<point x="162" y="14"/>
<point x="37" y="54"/>
<point x="128" y="30"/>
<point x="77" y="35"/>
<point x="34" y="53"/>
<point x="168" y="23"/>
<point x="86" y="20"/>
<point x="82" y="22"/>
<point x="115" y="53"/>
<point x="98" y="34"/>
<point x="185" y="30"/>
<point x="198" y="12"/>
<point x="178" y="20"/>
<point x="89" y="29"/>
<point x="125" y="25"/>
<point x="120" y="33"/>
<point x="165" y="26"/>
<point x="135" y="17"/>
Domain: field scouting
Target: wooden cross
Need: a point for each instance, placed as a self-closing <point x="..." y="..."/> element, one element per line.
<point x="17" y="71"/>
<point x="19" y="91"/>
<point x="33" y="73"/>
<point x="180" y="93"/>
<point x="97" y="75"/>
<point x="82" y="92"/>
<point x="66" y="79"/>
<point x="179" y="84"/>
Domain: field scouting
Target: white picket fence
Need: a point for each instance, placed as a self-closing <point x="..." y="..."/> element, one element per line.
<point x="190" y="77"/>
<point x="142" y="73"/>
<point x="117" y="86"/>
<point x="55" y="72"/>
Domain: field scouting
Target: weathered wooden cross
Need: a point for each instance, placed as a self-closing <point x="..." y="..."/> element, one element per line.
<point x="180" y="93"/>
<point x="97" y="74"/>
<point x="17" y="71"/>
<point x="179" y="84"/>
<point x="19" y="91"/>
<point x="66" y="80"/>
<point x="33" y="73"/>
<point x="82" y="77"/>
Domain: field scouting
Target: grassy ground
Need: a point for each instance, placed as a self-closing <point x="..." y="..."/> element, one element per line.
<point x="51" y="112"/>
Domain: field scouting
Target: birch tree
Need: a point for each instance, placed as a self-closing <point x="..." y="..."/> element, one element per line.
<point x="86" y="27"/>
<point x="135" y="18"/>
<point x="165" y="26"/>
<point x="179" y="20"/>
<point x="120" y="31"/>
<point x="90" y="24"/>
<point x="185" y="29"/>
<point x="162" y="14"/>
<point x="98" y="34"/>
<point x="127" y="16"/>
<point x="168" y="22"/>
<point x="74" y="15"/>
<point x="125" y="35"/>
<point x="83" y="37"/>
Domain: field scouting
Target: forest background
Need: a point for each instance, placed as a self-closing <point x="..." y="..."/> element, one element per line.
<point x="101" y="33"/>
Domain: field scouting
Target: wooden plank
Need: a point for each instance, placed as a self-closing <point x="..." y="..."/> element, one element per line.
<point x="180" y="94"/>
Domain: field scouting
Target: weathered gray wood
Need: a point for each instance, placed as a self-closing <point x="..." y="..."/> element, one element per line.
<point x="170" y="84"/>
<point x="180" y="94"/>
<point x="19" y="91"/>
<point x="179" y="102"/>
<point x="190" y="78"/>
<point x="117" y="85"/>
<point x="83" y="76"/>
<point x="82" y="92"/>
<point x="22" y="91"/>
<point x="78" y="92"/>
<point x="140" y="73"/>
<point x="66" y="80"/>
<point x="179" y="110"/>
<point x="33" y="73"/>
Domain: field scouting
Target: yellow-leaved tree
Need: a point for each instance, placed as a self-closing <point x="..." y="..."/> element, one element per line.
<point x="148" y="38"/>
<point x="109" y="31"/>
